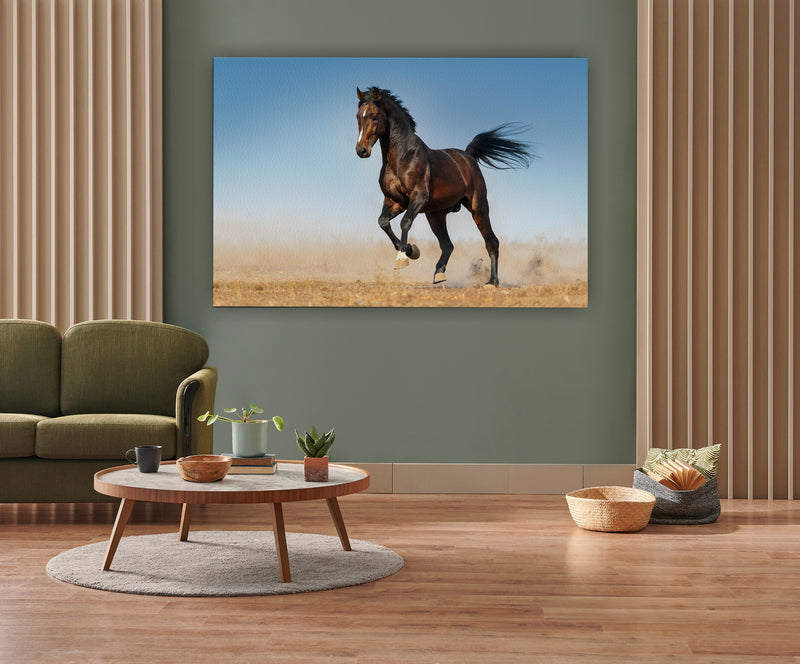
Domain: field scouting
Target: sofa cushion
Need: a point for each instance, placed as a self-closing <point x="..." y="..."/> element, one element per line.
<point x="104" y="436"/>
<point x="30" y="367"/>
<point x="17" y="434"/>
<point x="118" y="366"/>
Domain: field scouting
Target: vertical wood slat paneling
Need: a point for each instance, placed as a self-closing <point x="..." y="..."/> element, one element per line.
<point x="111" y="169"/>
<point x="128" y="162"/>
<point x="670" y="374"/>
<point x="148" y="225"/>
<point x="750" y="230"/>
<point x="53" y="157"/>
<point x="689" y="168"/>
<point x="15" y="64"/>
<point x="710" y="265"/>
<point x="732" y="438"/>
<point x="33" y="266"/>
<point x="71" y="164"/>
<point x="737" y="267"/>
<point x="771" y="257"/>
<point x="791" y="276"/>
<point x="80" y="198"/>
<point x="90" y="172"/>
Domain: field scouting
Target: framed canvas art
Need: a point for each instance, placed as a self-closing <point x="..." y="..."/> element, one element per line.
<point x="400" y="182"/>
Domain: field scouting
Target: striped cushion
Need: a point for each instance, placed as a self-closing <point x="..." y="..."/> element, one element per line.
<point x="705" y="459"/>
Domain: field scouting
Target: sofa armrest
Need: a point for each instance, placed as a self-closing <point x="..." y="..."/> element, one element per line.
<point x="195" y="396"/>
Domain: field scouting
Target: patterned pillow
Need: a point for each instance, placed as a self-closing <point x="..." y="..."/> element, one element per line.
<point x="705" y="459"/>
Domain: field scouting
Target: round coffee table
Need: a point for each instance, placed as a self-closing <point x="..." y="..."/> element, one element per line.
<point x="287" y="485"/>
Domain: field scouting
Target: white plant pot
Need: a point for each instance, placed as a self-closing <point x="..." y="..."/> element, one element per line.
<point x="249" y="439"/>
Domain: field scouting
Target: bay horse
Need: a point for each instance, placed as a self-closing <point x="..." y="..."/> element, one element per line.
<point x="417" y="179"/>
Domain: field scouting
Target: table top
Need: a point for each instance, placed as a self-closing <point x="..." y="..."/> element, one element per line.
<point x="286" y="485"/>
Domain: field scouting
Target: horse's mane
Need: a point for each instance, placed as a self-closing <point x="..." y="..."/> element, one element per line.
<point x="384" y="95"/>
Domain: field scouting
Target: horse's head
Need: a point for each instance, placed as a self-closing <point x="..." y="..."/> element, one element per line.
<point x="372" y="121"/>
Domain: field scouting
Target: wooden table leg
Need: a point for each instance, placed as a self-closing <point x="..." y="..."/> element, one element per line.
<point x="186" y="519"/>
<point x="336" y="513"/>
<point x="123" y="513"/>
<point x="280" y="543"/>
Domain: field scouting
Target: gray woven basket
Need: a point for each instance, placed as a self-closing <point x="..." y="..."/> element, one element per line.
<point x="680" y="507"/>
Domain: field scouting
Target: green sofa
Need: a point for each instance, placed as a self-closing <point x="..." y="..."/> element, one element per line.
<point x="72" y="405"/>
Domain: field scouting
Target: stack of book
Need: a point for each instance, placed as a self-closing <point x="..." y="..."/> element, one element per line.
<point x="263" y="465"/>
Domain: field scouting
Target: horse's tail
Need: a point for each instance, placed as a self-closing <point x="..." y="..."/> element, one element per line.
<point x="496" y="149"/>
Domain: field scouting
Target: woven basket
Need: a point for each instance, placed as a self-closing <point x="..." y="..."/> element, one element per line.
<point x="680" y="507"/>
<point x="611" y="509"/>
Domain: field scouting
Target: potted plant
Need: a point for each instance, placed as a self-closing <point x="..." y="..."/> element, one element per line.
<point x="249" y="434"/>
<point x="315" y="447"/>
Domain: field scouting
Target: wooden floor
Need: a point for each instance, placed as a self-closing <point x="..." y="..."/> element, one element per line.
<point x="487" y="579"/>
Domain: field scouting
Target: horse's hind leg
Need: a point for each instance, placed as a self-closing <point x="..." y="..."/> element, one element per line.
<point x="480" y="213"/>
<point x="438" y="222"/>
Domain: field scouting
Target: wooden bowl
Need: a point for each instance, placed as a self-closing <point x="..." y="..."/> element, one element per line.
<point x="203" y="467"/>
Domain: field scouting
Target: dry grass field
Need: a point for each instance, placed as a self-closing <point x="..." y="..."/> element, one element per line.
<point x="342" y="275"/>
<point x="310" y="293"/>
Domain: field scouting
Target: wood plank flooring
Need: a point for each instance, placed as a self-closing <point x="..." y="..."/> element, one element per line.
<point x="507" y="579"/>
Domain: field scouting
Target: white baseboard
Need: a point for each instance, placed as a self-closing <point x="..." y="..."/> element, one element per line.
<point x="535" y="479"/>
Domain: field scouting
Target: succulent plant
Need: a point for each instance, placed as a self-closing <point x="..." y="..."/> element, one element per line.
<point x="315" y="444"/>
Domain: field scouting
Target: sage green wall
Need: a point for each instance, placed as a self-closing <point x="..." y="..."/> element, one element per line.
<point x="417" y="385"/>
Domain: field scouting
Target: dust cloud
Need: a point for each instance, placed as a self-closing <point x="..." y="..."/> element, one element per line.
<point x="542" y="262"/>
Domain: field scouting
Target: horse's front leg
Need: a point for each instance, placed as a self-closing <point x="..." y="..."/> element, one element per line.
<point x="406" y="250"/>
<point x="390" y="211"/>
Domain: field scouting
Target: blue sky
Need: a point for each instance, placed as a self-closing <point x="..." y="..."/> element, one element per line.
<point x="285" y="130"/>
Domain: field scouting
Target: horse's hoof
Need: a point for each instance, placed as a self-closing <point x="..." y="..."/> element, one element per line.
<point x="401" y="261"/>
<point x="491" y="284"/>
<point x="439" y="277"/>
<point x="414" y="255"/>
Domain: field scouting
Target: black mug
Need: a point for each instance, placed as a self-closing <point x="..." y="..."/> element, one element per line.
<point x="146" y="457"/>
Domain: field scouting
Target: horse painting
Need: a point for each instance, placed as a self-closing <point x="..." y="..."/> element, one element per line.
<point x="416" y="179"/>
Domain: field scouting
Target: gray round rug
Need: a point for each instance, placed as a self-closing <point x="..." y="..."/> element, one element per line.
<point x="214" y="563"/>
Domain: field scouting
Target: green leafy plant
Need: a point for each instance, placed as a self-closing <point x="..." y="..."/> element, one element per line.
<point x="315" y="444"/>
<point x="245" y="417"/>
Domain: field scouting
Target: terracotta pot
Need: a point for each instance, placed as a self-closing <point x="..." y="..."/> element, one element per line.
<point x="316" y="469"/>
